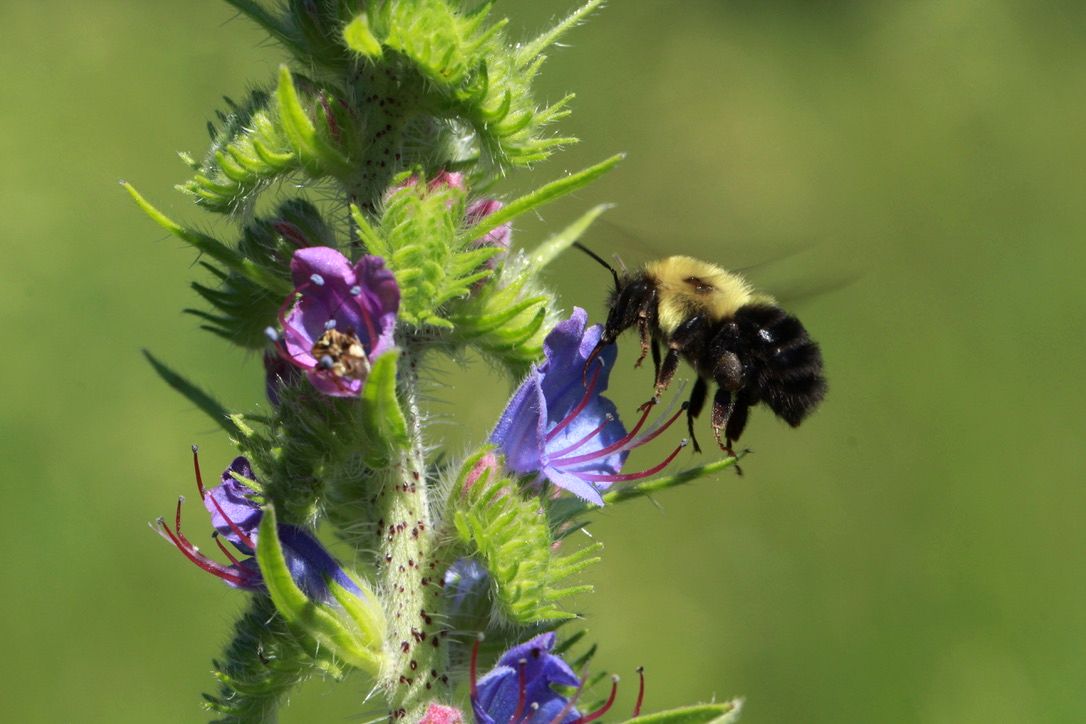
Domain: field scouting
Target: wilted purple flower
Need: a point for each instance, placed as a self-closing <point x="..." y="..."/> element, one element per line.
<point x="339" y="318"/>
<point x="558" y="426"/>
<point x="235" y="515"/>
<point x="520" y="689"/>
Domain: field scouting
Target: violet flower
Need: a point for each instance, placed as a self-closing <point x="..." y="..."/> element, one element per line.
<point x="235" y="513"/>
<point x="559" y="427"/>
<point x="520" y="687"/>
<point x="339" y="318"/>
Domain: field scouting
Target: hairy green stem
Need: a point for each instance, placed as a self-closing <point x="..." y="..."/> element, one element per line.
<point x="412" y="574"/>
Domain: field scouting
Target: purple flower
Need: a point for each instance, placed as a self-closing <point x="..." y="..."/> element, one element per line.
<point x="520" y="688"/>
<point x="339" y="318"/>
<point x="234" y="507"/>
<point x="559" y="427"/>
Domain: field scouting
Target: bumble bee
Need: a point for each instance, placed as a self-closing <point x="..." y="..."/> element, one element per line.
<point x="752" y="349"/>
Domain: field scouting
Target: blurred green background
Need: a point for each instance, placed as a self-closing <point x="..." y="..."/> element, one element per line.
<point x="912" y="554"/>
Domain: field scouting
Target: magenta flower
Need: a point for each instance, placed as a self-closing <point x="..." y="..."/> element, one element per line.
<point x="559" y="426"/>
<point x="339" y="318"/>
<point x="235" y="510"/>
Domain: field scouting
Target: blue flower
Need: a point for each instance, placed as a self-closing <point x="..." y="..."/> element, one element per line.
<point x="518" y="688"/>
<point x="558" y="426"/>
<point x="235" y="509"/>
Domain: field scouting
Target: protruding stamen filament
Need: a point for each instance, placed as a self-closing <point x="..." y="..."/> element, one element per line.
<point x="226" y="551"/>
<point x="607" y="420"/>
<point x="473" y="670"/>
<point x="193" y="554"/>
<point x="522" y="690"/>
<point x="640" y="691"/>
<point x="603" y="709"/>
<point x="605" y="451"/>
<point x="625" y="477"/>
<point x="196" y="467"/>
<point x="242" y="536"/>
<point x="592" y="358"/>
<point x="585" y="399"/>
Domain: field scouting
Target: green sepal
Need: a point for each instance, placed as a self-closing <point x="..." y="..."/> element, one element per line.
<point x="228" y="257"/>
<point x="204" y="401"/>
<point x="543" y="195"/>
<point x="723" y="713"/>
<point x="511" y="535"/>
<point x="316" y="154"/>
<point x="250" y="151"/>
<point x="353" y="634"/>
<point x="381" y="413"/>
<point x="358" y="36"/>
<point x="262" y="663"/>
<point x="546" y="252"/>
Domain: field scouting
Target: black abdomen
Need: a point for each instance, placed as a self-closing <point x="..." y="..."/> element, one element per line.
<point x="782" y="364"/>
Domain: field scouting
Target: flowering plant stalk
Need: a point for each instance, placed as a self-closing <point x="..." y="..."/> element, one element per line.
<point x="399" y="116"/>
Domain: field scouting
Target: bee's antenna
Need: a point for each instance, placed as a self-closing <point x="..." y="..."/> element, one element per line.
<point x="599" y="259"/>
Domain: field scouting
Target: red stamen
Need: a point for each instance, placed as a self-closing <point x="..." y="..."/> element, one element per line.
<point x="233" y="526"/>
<point x="226" y="551"/>
<point x="640" y="691"/>
<point x="603" y="452"/>
<point x="199" y="477"/>
<point x="608" y="419"/>
<point x="585" y="399"/>
<point x="603" y="709"/>
<point x="201" y="561"/>
<point x="592" y="358"/>
<point x="473" y="671"/>
<point x="601" y="478"/>
<point x="177" y="522"/>
<point x="522" y="690"/>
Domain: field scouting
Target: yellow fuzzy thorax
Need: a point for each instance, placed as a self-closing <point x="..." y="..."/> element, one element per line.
<point x="687" y="286"/>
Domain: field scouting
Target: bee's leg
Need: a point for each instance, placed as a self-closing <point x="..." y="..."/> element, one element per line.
<point x="693" y="408"/>
<point x="667" y="371"/>
<point x="688" y="339"/>
<point x="643" y="330"/>
<point x="723" y="406"/>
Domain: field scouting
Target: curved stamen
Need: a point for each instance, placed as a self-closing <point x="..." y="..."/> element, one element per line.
<point x="603" y="709"/>
<point x="601" y="478"/>
<point x="522" y="690"/>
<point x="607" y="420"/>
<point x="199" y="477"/>
<point x="473" y="670"/>
<point x="618" y="444"/>
<point x="177" y="522"/>
<point x="592" y="358"/>
<point x="640" y="691"/>
<point x="193" y="554"/>
<point x="233" y="526"/>
<point x="585" y="399"/>
<point x="225" y="550"/>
